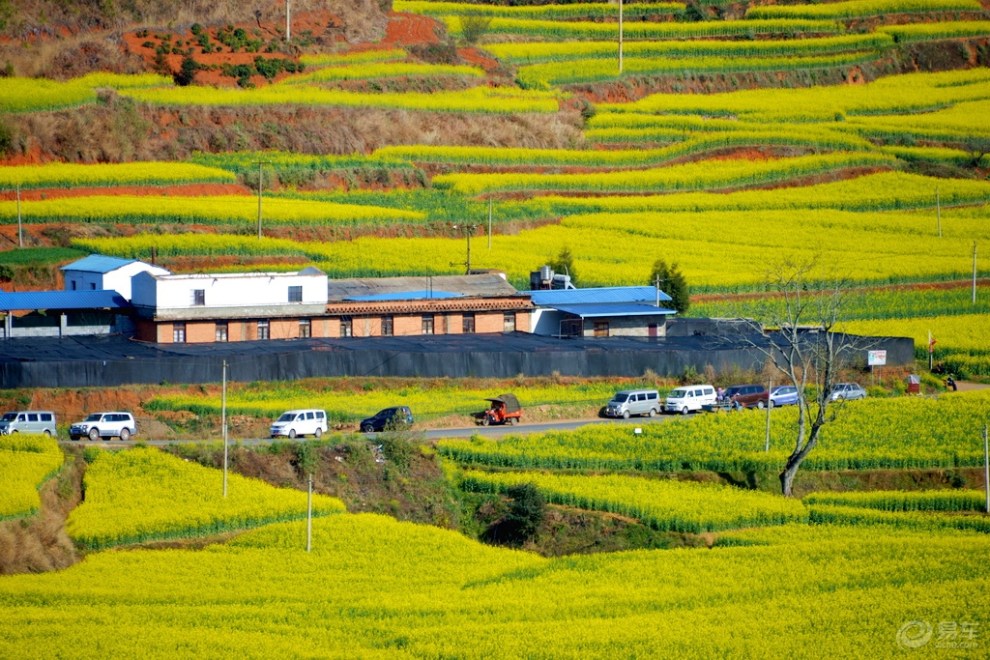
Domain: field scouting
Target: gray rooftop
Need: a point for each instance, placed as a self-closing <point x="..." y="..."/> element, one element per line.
<point x="421" y="287"/>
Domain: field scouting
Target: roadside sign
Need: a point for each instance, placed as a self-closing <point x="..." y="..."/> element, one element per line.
<point x="877" y="358"/>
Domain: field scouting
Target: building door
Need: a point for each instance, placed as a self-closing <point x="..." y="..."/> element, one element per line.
<point x="651" y="330"/>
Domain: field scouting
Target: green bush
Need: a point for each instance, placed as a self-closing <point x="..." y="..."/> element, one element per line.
<point x="526" y="513"/>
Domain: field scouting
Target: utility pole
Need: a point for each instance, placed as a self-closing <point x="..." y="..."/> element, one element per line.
<point x="223" y="424"/>
<point x="261" y="179"/>
<point x="20" y="225"/>
<point x="938" y="212"/>
<point x="766" y="444"/>
<point x="468" y="230"/>
<point x="986" y="467"/>
<point x="309" y="515"/>
<point x="974" y="272"/>
<point x="288" y="21"/>
<point x="620" y="36"/>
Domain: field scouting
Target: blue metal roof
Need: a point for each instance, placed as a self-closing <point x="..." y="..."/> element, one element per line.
<point x="25" y="300"/>
<point x="595" y="310"/>
<point x="611" y="294"/>
<point x="407" y="295"/>
<point x="97" y="263"/>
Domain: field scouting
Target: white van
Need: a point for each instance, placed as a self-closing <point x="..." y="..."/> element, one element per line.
<point x="300" y="422"/>
<point x="28" y="421"/>
<point x="634" y="402"/>
<point x="691" y="398"/>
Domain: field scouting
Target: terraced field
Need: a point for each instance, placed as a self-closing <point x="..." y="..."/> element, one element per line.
<point x="724" y="137"/>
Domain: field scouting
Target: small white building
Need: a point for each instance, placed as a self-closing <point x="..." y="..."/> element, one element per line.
<point x="228" y="306"/>
<point x="101" y="273"/>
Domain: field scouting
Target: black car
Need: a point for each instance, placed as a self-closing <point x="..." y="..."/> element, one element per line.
<point x="388" y="419"/>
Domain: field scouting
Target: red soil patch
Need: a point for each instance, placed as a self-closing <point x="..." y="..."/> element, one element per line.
<point x="32" y="157"/>
<point x="477" y="58"/>
<point x="403" y="30"/>
<point x="410" y="30"/>
<point x="316" y="23"/>
<point x="181" y="190"/>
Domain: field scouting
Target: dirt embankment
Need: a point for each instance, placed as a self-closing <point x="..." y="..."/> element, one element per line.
<point x="40" y="543"/>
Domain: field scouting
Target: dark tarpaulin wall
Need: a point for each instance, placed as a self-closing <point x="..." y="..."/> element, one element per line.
<point x="111" y="361"/>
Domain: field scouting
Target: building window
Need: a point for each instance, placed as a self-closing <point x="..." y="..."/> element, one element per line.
<point x="92" y="286"/>
<point x="263" y="329"/>
<point x="73" y="284"/>
<point x="305" y="329"/>
<point x="388" y="326"/>
<point x="601" y="328"/>
<point x="199" y="297"/>
<point x="295" y="294"/>
<point x="427" y="324"/>
<point x="467" y="322"/>
<point x="179" y="333"/>
<point x="509" y="322"/>
<point x="346" y="327"/>
<point x="221" y="331"/>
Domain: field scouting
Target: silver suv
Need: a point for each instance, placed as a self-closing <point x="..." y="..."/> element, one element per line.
<point x="105" y="425"/>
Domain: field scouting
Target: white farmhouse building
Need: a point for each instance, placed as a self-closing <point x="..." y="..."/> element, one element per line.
<point x="101" y="273"/>
<point x="228" y="306"/>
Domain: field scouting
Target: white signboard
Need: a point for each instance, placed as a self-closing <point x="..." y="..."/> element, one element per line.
<point x="877" y="358"/>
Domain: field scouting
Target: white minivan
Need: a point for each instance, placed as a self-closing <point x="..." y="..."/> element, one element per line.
<point x="690" y="398"/>
<point x="300" y="422"/>
<point x="634" y="402"/>
<point x="28" y="421"/>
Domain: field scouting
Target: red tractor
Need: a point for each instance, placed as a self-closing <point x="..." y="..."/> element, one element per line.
<point x="505" y="409"/>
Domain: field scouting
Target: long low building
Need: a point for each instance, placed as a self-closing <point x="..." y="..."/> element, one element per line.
<point x="198" y="308"/>
<point x="202" y="308"/>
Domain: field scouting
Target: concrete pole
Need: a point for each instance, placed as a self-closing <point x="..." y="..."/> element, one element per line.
<point x="288" y="21"/>
<point x="938" y="212"/>
<point x="620" y="36"/>
<point x="470" y="228"/>
<point x="20" y="226"/>
<point x="223" y="425"/>
<point x="974" y="272"/>
<point x="309" y="515"/>
<point x="986" y="467"/>
<point x="259" y="199"/>
<point x="766" y="444"/>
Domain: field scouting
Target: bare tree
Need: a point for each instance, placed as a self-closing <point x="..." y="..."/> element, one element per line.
<point x="801" y="312"/>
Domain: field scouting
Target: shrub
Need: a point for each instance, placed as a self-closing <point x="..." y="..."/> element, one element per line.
<point x="6" y="138"/>
<point x="526" y="513"/>
<point x="474" y="26"/>
<point x="186" y="74"/>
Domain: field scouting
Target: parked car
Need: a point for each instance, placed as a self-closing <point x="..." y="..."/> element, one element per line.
<point x="28" y="421"/>
<point x="691" y="398"/>
<point x="105" y="425"/>
<point x="784" y="395"/>
<point x="633" y="402"/>
<point x="300" y="422"/>
<point x="388" y="419"/>
<point x="746" y="396"/>
<point x="848" y="391"/>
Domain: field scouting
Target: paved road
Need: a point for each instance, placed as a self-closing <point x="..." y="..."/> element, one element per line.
<point x="429" y="434"/>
